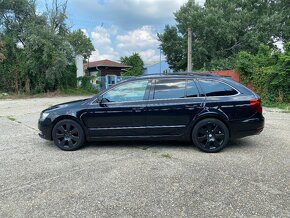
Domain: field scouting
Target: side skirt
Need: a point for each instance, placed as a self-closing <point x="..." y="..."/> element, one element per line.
<point x="139" y="138"/>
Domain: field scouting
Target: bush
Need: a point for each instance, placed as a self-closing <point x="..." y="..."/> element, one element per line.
<point x="268" y="71"/>
<point x="86" y="83"/>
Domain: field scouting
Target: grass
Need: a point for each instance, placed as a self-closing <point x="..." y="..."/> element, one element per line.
<point x="283" y="106"/>
<point x="166" y="155"/>
<point x="11" y="118"/>
<point x="78" y="91"/>
<point x="64" y="92"/>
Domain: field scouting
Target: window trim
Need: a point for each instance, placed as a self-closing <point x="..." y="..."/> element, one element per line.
<point x="219" y="81"/>
<point x="149" y="100"/>
<point x="149" y="93"/>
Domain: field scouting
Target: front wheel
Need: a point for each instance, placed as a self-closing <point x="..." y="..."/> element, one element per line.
<point x="68" y="135"/>
<point x="210" y="135"/>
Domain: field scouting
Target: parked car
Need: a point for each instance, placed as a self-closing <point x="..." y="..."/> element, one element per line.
<point x="206" y="109"/>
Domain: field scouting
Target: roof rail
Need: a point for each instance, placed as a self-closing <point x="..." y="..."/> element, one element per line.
<point x="194" y="74"/>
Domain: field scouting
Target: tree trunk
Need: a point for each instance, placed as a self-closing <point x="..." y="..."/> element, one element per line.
<point x="27" y="86"/>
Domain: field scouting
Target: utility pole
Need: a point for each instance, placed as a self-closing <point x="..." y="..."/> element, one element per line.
<point x="189" y="50"/>
<point x="160" y="62"/>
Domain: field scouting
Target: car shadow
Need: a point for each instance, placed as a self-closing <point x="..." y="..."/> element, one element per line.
<point x="143" y="145"/>
<point x="240" y="143"/>
<point x="234" y="144"/>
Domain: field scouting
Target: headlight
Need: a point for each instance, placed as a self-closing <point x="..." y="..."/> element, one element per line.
<point x="43" y="116"/>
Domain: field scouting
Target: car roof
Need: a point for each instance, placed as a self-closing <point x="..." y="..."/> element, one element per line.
<point x="196" y="75"/>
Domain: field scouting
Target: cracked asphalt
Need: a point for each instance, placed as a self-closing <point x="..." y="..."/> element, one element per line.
<point x="250" y="178"/>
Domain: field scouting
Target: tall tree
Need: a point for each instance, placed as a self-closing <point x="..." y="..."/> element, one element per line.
<point x="39" y="49"/>
<point x="2" y="56"/>
<point x="136" y="65"/>
<point x="222" y="28"/>
<point x="174" y="47"/>
<point x="284" y="7"/>
<point x="82" y="45"/>
<point x="56" y="17"/>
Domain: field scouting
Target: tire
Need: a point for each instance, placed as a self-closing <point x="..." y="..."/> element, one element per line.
<point x="210" y="135"/>
<point x="68" y="135"/>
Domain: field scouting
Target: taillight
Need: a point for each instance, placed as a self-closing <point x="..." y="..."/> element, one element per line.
<point x="256" y="105"/>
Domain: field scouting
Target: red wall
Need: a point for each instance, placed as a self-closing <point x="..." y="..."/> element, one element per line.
<point x="232" y="73"/>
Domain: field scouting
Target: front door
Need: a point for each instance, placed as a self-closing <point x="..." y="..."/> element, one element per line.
<point x="121" y="111"/>
<point x="173" y="104"/>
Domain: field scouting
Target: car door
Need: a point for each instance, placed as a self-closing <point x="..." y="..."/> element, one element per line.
<point x="173" y="104"/>
<point x="223" y="99"/>
<point x="119" y="112"/>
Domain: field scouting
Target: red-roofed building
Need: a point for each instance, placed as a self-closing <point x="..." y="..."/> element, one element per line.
<point x="107" y="72"/>
<point x="105" y="67"/>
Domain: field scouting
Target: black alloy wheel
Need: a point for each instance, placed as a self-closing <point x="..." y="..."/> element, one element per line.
<point x="68" y="135"/>
<point x="210" y="135"/>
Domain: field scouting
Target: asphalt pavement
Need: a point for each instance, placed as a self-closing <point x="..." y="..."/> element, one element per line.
<point x="249" y="178"/>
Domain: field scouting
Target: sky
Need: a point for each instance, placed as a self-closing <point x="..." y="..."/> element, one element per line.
<point x="119" y="28"/>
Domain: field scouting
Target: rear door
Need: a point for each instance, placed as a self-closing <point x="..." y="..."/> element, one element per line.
<point x="223" y="98"/>
<point x="172" y="105"/>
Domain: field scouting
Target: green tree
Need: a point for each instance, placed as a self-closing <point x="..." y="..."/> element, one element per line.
<point x="14" y="17"/>
<point x="174" y="47"/>
<point x="221" y="29"/>
<point x="283" y="6"/>
<point x="39" y="49"/>
<point x="136" y="65"/>
<point x="283" y="67"/>
<point x="82" y="45"/>
<point x="268" y="70"/>
<point x="2" y="56"/>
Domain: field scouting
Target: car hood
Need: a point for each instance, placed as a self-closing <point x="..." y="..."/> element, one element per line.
<point x="67" y="105"/>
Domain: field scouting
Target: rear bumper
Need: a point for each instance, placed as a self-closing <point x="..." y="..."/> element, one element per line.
<point x="248" y="127"/>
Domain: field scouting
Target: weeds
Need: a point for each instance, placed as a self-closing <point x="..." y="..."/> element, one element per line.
<point x="11" y="118"/>
<point x="166" y="155"/>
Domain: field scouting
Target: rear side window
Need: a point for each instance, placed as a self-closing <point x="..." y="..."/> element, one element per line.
<point x="216" y="88"/>
<point x="169" y="88"/>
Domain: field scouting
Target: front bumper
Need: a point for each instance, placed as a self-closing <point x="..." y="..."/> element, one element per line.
<point x="45" y="129"/>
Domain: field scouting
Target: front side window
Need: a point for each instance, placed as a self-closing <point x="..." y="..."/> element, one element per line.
<point x="216" y="88"/>
<point x="169" y="88"/>
<point x="131" y="91"/>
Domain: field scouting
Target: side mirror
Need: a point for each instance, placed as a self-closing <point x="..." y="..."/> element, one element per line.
<point x="103" y="102"/>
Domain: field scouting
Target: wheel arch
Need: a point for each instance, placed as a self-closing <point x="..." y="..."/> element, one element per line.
<point x="66" y="117"/>
<point x="219" y="117"/>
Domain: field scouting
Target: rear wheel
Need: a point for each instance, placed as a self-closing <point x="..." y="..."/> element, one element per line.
<point x="68" y="135"/>
<point x="210" y="135"/>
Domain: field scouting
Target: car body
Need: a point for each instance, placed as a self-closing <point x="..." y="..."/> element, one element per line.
<point x="184" y="106"/>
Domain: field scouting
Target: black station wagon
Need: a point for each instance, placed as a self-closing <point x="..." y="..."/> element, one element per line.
<point x="205" y="109"/>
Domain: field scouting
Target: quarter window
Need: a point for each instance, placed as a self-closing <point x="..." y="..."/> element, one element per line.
<point x="131" y="91"/>
<point x="169" y="88"/>
<point x="191" y="89"/>
<point x="216" y="88"/>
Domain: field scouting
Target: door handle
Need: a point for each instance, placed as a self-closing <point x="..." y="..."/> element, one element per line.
<point x="138" y="109"/>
